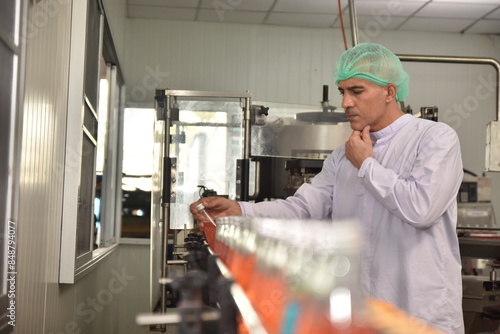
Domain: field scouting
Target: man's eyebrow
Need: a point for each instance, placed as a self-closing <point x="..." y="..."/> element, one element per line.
<point x="352" y="88"/>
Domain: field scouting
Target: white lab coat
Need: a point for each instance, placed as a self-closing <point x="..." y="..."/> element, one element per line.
<point x="405" y="197"/>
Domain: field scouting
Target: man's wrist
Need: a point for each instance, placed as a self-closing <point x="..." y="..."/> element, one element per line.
<point x="364" y="166"/>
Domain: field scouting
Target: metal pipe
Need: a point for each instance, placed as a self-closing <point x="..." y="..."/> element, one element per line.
<point x="460" y="60"/>
<point x="245" y="180"/>
<point x="246" y="112"/>
<point x="166" y="203"/>
<point x="354" y="22"/>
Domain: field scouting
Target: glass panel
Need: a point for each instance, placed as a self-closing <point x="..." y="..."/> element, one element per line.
<point x="92" y="53"/>
<point x="102" y="116"/>
<point x="207" y="142"/>
<point x="101" y="134"/>
<point x="137" y="169"/>
<point x="8" y="14"/>
<point x="90" y="122"/>
<point x="84" y="231"/>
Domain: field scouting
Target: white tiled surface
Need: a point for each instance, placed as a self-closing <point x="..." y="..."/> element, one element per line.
<point x="456" y="16"/>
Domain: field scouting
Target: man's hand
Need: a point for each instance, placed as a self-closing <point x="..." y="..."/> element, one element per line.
<point x="359" y="147"/>
<point x="216" y="207"/>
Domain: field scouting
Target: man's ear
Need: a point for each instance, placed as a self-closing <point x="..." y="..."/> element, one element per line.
<point x="391" y="92"/>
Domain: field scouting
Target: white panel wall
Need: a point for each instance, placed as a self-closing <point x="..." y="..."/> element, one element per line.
<point x="47" y="42"/>
<point x="134" y="299"/>
<point x="278" y="64"/>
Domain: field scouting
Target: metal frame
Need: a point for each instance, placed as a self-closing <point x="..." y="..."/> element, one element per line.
<point x="163" y="105"/>
<point x="201" y="93"/>
<point x="458" y="60"/>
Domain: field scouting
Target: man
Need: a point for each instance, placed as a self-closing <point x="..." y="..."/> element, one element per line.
<point x="399" y="175"/>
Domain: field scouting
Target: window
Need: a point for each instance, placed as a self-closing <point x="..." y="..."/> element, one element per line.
<point x="137" y="169"/>
<point x="108" y="165"/>
<point x="93" y="139"/>
<point x="10" y="52"/>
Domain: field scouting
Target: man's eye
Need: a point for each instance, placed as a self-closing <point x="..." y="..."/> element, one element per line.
<point x="341" y="93"/>
<point x="357" y="92"/>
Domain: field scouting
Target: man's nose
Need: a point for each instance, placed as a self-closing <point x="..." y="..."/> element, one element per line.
<point x="346" y="102"/>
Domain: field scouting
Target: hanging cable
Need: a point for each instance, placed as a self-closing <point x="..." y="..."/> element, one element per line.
<point x="342" y="24"/>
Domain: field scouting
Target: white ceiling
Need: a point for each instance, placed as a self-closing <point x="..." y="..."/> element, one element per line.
<point x="455" y="16"/>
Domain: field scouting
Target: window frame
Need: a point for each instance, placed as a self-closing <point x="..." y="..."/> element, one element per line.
<point x="74" y="266"/>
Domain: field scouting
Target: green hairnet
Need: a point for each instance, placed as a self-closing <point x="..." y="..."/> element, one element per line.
<point x="374" y="63"/>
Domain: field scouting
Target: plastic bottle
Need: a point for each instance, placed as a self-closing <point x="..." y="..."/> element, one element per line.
<point x="327" y="298"/>
<point x="208" y="229"/>
<point x="201" y="209"/>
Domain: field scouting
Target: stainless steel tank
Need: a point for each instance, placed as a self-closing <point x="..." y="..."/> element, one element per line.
<point x="296" y="139"/>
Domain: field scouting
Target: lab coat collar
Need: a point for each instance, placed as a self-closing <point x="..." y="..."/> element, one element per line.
<point x="392" y="128"/>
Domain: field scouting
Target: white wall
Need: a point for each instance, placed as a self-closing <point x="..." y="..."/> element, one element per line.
<point x="289" y="65"/>
<point x="40" y="204"/>
<point x="277" y="64"/>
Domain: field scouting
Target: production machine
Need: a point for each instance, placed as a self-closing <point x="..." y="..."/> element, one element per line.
<point x="289" y="147"/>
<point x="479" y="238"/>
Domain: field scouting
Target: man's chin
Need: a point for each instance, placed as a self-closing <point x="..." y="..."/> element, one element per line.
<point x="356" y="126"/>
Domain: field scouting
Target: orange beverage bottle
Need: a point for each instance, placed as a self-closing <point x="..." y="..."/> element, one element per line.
<point x="208" y="225"/>
<point x="244" y="274"/>
<point x="257" y="277"/>
<point x="266" y="287"/>
<point x="244" y="246"/>
<point x="271" y="304"/>
<point x="323" y="281"/>
<point x="229" y="237"/>
<point x="221" y="237"/>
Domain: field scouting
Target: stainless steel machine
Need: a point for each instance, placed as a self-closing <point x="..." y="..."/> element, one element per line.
<point x="479" y="238"/>
<point x="480" y="251"/>
<point x="201" y="139"/>
<point x="287" y="152"/>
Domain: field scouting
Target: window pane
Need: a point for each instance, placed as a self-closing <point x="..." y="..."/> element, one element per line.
<point x="137" y="168"/>
<point x="92" y="53"/>
<point x="102" y="116"/>
<point x="8" y="15"/>
<point x="84" y="228"/>
<point x="138" y="143"/>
